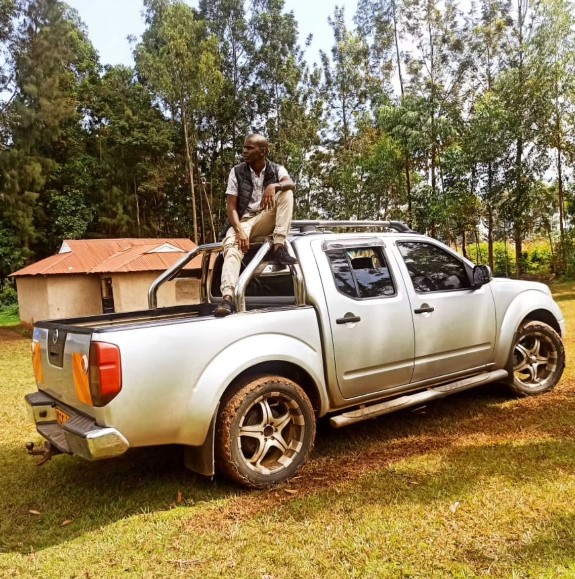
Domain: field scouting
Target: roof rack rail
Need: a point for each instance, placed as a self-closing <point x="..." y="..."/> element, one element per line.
<point x="310" y="226"/>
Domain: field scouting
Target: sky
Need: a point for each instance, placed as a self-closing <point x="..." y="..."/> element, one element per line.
<point x="110" y="22"/>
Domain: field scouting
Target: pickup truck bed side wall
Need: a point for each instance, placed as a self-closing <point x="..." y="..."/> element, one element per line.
<point x="176" y="407"/>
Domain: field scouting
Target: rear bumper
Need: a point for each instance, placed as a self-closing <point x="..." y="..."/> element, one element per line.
<point x="79" y="435"/>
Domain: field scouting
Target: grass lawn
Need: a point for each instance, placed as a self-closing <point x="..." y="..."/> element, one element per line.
<point x="480" y="485"/>
<point x="9" y="316"/>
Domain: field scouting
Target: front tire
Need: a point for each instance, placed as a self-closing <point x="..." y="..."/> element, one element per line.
<point x="265" y="432"/>
<point x="537" y="359"/>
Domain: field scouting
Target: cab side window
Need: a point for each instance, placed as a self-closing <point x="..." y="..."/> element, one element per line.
<point x="361" y="272"/>
<point x="432" y="269"/>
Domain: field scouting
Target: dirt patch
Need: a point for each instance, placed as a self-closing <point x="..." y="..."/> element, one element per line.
<point x="9" y="334"/>
<point x="385" y="445"/>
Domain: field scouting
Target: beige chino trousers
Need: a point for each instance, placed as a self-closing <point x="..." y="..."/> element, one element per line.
<point x="275" y="222"/>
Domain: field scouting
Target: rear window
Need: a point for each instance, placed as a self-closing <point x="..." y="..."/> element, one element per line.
<point x="275" y="284"/>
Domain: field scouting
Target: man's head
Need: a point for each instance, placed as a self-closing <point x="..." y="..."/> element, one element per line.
<point x="255" y="151"/>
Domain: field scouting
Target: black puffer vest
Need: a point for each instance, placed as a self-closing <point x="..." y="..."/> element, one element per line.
<point x="246" y="187"/>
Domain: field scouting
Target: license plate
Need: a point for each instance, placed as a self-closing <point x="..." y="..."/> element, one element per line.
<point x="61" y="417"/>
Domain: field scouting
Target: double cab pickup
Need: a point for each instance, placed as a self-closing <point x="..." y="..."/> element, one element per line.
<point x="372" y="318"/>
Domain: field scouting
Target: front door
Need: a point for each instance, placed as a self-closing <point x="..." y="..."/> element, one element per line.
<point x="454" y="324"/>
<point x="369" y="316"/>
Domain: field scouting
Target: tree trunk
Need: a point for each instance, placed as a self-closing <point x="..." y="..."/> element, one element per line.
<point x="561" y="194"/>
<point x="518" y="250"/>
<point x="190" y="165"/>
<point x="401" y="89"/>
<point x="490" y="216"/>
<point x="210" y="212"/>
<point x="137" y="207"/>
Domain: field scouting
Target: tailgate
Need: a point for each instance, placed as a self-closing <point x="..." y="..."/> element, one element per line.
<point x="60" y="359"/>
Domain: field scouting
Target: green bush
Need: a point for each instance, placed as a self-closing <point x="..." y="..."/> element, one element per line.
<point x="536" y="258"/>
<point x="8" y="296"/>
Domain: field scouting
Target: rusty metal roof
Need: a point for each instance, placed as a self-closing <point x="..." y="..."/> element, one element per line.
<point x="83" y="256"/>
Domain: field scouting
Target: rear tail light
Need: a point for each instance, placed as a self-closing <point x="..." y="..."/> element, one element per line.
<point x="105" y="372"/>
<point x="81" y="380"/>
<point x="37" y="363"/>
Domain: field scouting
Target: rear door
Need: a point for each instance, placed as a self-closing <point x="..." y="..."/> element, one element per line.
<point x="369" y="316"/>
<point x="454" y="324"/>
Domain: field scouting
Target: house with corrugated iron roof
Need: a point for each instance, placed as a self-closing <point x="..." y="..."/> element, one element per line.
<point x="93" y="276"/>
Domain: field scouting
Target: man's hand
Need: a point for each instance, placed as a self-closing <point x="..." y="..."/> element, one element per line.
<point x="269" y="197"/>
<point x="242" y="240"/>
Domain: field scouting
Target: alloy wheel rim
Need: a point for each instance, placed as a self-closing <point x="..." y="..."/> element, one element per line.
<point x="534" y="359"/>
<point x="271" y="433"/>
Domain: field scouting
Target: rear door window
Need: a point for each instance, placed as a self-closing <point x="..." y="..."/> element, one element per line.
<point x="361" y="272"/>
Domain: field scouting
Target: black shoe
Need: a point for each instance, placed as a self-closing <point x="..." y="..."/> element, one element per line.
<point x="282" y="257"/>
<point x="224" y="309"/>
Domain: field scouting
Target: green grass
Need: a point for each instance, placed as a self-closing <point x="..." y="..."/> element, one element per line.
<point x="480" y="485"/>
<point x="9" y="316"/>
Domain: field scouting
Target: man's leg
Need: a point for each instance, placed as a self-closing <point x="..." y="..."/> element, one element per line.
<point x="276" y="222"/>
<point x="284" y="212"/>
<point x="231" y="268"/>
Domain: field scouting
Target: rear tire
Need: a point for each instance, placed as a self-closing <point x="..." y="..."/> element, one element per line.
<point x="537" y="359"/>
<point x="265" y="432"/>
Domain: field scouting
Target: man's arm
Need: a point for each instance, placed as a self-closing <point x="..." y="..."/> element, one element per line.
<point x="242" y="239"/>
<point x="268" y="197"/>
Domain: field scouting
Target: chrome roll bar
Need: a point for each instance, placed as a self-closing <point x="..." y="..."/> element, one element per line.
<point x="243" y="281"/>
<point x="173" y="271"/>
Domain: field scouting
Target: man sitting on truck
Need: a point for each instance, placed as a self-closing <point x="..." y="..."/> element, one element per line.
<point x="259" y="201"/>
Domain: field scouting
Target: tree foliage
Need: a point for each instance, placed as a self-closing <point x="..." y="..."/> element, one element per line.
<point x="458" y="119"/>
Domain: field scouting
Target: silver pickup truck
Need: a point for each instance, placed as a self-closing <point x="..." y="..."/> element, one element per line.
<point x="373" y="318"/>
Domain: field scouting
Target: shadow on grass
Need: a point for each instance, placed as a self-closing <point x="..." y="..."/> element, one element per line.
<point x="73" y="496"/>
<point x="92" y="495"/>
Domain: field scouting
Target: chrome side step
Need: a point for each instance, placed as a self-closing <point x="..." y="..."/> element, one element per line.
<point x="374" y="410"/>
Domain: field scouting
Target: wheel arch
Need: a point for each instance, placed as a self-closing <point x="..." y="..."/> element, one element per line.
<point x="296" y="361"/>
<point x="544" y="316"/>
<point x="528" y="306"/>
<point x="286" y="370"/>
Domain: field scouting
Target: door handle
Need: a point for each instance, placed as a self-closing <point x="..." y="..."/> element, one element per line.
<point x="424" y="310"/>
<point x="348" y="320"/>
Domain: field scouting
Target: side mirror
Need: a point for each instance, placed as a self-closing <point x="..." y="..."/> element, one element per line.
<point x="481" y="275"/>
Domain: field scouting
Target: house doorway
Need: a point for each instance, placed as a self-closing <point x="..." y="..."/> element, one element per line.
<point x="107" y="295"/>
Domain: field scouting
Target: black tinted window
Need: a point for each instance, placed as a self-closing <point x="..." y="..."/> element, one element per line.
<point x="361" y="272"/>
<point x="279" y="284"/>
<point x="433" y="269"/>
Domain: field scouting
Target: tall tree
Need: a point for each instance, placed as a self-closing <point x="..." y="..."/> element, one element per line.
<point x="437" y="68"/>
<point x="555" y="45"/>
<point x="523" y="92"/>
<point x="133" y="145"/>
<point x="179" y="61"/>
<point x="381" y="22"/>
<point x="51" y="60"/>
<point x="486" y="142"/>
<point x="231" y="116"/>
<point x="345" y="90"/>
<point x="288" y="104"/>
